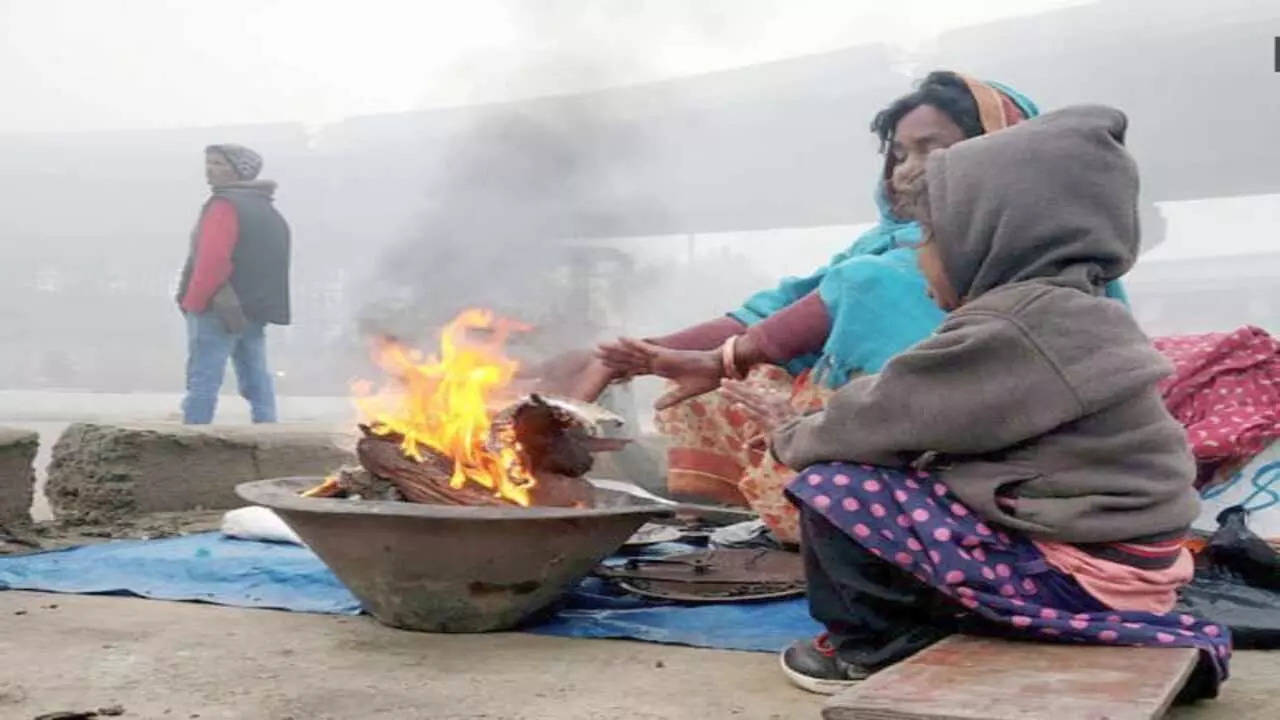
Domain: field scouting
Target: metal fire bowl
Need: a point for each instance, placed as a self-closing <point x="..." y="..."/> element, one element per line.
<point x="445" y="568"/>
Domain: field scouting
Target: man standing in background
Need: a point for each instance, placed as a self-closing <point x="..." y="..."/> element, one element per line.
<point x="235" y="282"/>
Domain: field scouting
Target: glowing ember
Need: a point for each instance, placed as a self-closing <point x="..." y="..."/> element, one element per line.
<point x="442" y="404"/>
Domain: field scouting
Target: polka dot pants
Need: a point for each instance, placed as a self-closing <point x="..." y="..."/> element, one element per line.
<point x="913" y="522"/>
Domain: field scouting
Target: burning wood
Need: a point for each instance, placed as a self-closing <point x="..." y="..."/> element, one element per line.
<point x="357" y="483"/>
<point x="431" y="479"/>
<point x="432" y="435"/>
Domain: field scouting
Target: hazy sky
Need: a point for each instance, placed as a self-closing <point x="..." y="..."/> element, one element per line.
<point x="96" y="64"/>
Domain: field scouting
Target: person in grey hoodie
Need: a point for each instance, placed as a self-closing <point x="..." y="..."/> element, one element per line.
<point x="1015" y="473"/>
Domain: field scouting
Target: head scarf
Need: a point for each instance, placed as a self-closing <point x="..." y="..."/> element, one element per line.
<point x="246" y="162"/>
<point x="999" y="106"/>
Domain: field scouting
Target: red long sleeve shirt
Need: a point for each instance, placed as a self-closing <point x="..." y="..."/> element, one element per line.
<point x="704" y="336"/>
<point x="219" y="231"/>
<point x="798" y="329"/>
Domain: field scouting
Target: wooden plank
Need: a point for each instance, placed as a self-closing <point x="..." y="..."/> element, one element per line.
<point x="970" y="678"/>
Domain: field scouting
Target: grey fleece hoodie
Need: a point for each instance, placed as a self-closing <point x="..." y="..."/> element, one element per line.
<point x="1039" y="394"/>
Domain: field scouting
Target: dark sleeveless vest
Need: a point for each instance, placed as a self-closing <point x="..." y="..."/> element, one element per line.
<point x="260" y="261"/>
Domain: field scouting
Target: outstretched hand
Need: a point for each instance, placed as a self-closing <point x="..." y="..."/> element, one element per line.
<point x="694" y="372"/>
<point x="626" y="357"/>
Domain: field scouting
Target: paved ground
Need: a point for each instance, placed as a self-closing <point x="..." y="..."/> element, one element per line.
<point x="175" y="660"/>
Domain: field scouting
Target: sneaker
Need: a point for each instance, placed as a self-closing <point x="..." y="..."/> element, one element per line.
<point x="813" y="665"/>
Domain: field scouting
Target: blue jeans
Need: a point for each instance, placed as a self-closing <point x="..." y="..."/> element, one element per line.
<point x="208" y="347"/>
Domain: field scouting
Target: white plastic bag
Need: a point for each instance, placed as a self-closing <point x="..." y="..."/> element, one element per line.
<point x="257" y="523"/>
<point x="1256" y="486"/>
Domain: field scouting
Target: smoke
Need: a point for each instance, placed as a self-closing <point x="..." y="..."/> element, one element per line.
<point x="510" y="206"/>
<point x="501" y="225"/>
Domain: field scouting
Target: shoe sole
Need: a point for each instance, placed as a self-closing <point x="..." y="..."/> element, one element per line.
<point x="817" y="686"/>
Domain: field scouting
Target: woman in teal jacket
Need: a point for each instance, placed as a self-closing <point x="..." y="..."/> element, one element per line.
<point x="809" y="334"/>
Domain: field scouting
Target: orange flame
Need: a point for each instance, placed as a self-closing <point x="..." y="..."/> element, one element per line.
<point x="443" y="403"/>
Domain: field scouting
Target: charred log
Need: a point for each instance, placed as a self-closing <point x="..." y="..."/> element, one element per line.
<point x="428" y="481"/>
<point x="423" y="482"/>
<point x="357" y="483"/>
<point x="552" y="442"/>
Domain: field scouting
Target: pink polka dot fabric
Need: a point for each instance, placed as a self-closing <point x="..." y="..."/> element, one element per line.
<point x="1225" y="391"/>
<point x="912" y="521"/>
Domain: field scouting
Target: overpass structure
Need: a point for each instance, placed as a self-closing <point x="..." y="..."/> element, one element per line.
<point x="101" y="220"/>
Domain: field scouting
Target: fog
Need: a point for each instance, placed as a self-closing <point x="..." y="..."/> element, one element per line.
<point x="589" y="168"/>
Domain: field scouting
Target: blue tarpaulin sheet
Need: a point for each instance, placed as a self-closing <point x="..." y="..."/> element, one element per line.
<point x="242" y="573"/>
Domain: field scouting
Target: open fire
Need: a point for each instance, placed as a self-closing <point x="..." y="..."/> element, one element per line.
<point x="441" y="404"/>
<point x="447" y="428"/>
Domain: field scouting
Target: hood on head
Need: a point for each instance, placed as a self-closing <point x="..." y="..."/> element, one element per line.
<point x="1054" y="197"/>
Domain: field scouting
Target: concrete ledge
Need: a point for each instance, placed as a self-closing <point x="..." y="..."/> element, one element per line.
<point x="99" y="472"/>
<point x="17" y="476"/>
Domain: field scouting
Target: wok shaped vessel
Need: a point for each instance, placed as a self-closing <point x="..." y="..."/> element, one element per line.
<point x="451" y="568"/>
